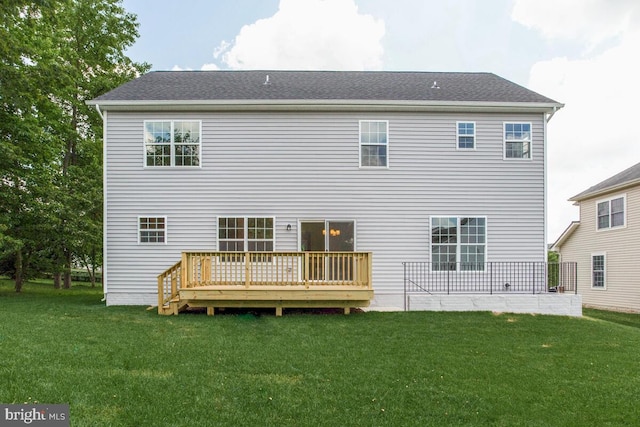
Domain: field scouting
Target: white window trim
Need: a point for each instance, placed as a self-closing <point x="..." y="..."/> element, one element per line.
<point x="504" y="142"/>
<point x="475" y="139"/>
<point x="172" y="149"/>
<point x="246" y="227"/>
<point x="599" y="288"/>
<point x="624" y="213"/>
<point x="458" y="243"/>
<point x="360" y="144"/>
<point x="166" y="230"/>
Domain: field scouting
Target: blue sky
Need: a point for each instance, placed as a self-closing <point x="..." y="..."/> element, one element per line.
<point x="578" y="52"/>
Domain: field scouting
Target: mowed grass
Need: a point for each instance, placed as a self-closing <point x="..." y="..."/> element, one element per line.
<point x="126" y="366"/>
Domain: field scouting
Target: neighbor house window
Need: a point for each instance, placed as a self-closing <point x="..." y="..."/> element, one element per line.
<point x="517" y="140"/>
<point x="466" y="135"/>
<point x="598" y="270"/>
<point x="172" y="143"/>
<point x="152" y="229"/>
<point x="239" y="234"/>
<point x="611" y="213"/>
<point x="458" y="243"/>
<point x="374" y="143"/>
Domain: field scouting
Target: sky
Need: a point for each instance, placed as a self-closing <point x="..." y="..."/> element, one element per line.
<point x="582" y="53"/>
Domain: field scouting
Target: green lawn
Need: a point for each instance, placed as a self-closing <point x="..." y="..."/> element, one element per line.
<point x="126" y="366"/>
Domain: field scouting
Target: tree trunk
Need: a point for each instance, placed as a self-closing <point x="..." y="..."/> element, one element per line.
<point x="91" y="271"/>
<point x="57" y="277"/>
<point x="67" y="271"/>
<point x="19" y="275"/>
<point x="93" y="276"/>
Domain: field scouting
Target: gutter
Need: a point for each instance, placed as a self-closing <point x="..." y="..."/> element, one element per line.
<point x="324" y="105"/>
<point x="580" y="197"/>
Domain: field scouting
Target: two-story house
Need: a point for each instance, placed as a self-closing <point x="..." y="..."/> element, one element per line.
<point x="448" y="168"/>
<point x="605" y="242"/>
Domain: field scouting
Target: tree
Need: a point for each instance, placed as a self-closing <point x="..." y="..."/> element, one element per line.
<point x="54" y="56"/>
<point x="27" y="163"/>
<point x="91" y="60"/>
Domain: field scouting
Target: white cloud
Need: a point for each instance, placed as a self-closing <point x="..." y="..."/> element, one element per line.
<point x="309" y="34"/>
<point x="588" y="21"/>
<point x="210" y="67"/>
<point x="593" y="137"/>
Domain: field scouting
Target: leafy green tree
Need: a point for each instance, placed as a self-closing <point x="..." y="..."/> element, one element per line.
<point x="27" y="164"/>
<point x="54" y="56"/>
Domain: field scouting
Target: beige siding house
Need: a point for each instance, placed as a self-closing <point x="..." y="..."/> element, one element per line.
<point x="606" y="242"/>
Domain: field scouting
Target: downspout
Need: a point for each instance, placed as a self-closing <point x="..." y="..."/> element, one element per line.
<point x="103" y="116"/>
<point x="545" y="225"/>
<point x="99" y="112"/>
<point x="547" y="118"/>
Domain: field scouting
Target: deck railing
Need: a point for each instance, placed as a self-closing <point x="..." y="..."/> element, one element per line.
<point x="489" y="277"/>
<point x="251" y="269"/>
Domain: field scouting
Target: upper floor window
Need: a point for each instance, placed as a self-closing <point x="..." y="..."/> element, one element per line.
<point x="152" y="229"/>
<point x="611" y="213"/>
<point x="172" y="143"/>
<point x="466" y="135"/>
<point x="458" y="243"/>
<point x="374" y="143"/>
<point x="517" y="140"/>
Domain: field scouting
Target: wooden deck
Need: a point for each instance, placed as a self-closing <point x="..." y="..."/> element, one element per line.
<point x="266" y="279"/>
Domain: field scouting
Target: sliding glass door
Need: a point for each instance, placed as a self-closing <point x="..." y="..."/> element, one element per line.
<point x="330" y="237"/>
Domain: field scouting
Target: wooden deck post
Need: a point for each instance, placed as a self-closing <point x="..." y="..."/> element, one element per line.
<point x="306" y="270"/>
<point x="247" y="270"/>
<point x="369" y="270"/>
<point x="184" y="272"/>
<point x="278" y="311"/>
<point x="211" y="311"/>
<point x="160" y="293"/>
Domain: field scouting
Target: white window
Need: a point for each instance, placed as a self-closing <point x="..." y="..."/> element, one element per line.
<point x="172" y="143"/>
<point x="517" y="140"/>
<point x="458" y="243"/>
<point x="610" y="213"/>
<point x="466" y="135"/>
<point x="598" y="270"/>
<point x="374" y="143"/>
<point x="240" y="234"/>
<point x="152" y="229"/>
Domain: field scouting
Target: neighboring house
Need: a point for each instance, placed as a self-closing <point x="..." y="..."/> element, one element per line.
<point x="606" y="242"/>
<point x="410" y="166"/>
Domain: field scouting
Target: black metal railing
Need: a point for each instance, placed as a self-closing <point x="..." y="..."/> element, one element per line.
<point x="489" y="277"/>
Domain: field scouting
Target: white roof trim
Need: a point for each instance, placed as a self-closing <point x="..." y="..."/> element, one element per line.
<point x="326" y="105"/>
<point x="565" y="235"/>
<point x="604" y="191"/>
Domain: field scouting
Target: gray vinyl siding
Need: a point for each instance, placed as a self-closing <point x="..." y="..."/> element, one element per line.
<point x="622" y="248"/>
<point x="304" y="166"/>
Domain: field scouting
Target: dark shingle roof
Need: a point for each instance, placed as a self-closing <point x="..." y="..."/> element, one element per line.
<point x="628" y="176"/>
<point x="322" y="86"/>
